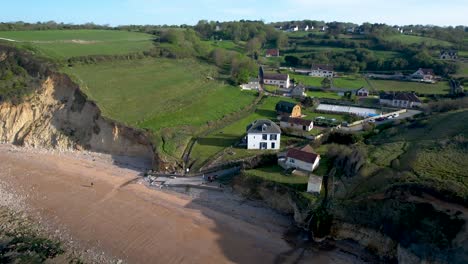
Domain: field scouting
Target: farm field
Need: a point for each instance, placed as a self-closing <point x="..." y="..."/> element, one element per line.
<point x="441" y="87"/>
<point x="64" y="44"/>
<point x="306" y="80"/>
<point x="319" y="94"/>
<point x="410" y="39"/>
<point x="349" y="82"/>
<point x="160" y="94"/>
<point x="227" y="44"/>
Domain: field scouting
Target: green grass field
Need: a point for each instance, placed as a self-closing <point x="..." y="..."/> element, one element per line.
<point x="317" y="94"/>
<point x="215" y="142"/>
<point x="275" y="174"/>
<point x="306" y="80"/>
<point x="228" y="45"/>
<point x="441" y="87"/>
<point x="349" y="82"/>
<point x="63" y="44"/>
<point x="160" y="94"/>
<point x="410" y="39"/>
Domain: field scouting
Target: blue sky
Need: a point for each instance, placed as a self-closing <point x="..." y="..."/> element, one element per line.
<point x="119" y="12"/>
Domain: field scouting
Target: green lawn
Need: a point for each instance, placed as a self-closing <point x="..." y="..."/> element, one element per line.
<point x="215" y="142"/>
<point x="160" y="94"/>
<point x="349" y="82"/>
<point x="228" y="45"/>
<point x="275" y="174"/>
<point x="441" y="87"/>
<point x="306" y="80"/>
<point x="319" y="94"/>
<point x="63" y="44"/>
<point x="410" y="39"/>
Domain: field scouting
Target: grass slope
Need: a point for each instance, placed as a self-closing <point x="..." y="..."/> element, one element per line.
<point x="410" y="39"/>
<point x="63" y="44"/>
<point x="160" y="95"/>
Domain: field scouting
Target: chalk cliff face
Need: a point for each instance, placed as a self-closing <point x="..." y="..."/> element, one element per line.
<point x="58" y="115"/>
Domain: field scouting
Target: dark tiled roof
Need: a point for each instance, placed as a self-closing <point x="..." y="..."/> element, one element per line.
<point x="285" y="107"/>
<point x="325" y="67"/>
<point x="302" y="155"/>
<point x="411" y="97"/>
<point x="263" y="126"/>
<point x="297" y="121"/>
<point x="275" y="76"/>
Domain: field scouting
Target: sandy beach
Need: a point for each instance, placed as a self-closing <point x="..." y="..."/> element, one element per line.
<point x="101" y="207"/>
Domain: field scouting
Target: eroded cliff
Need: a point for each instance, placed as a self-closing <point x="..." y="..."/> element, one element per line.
<point x="58" y="115"/>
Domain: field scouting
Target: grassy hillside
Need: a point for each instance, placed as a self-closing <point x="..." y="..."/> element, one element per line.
<point x="173" y="98"/>
<point x="410" y="39"/>
<point x="63" y="44"/>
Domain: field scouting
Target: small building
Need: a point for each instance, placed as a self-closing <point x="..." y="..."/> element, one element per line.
<point x="302" y="71"/>
<point x="314" y="185"/>
<point x="422" y="74"/>
<point x="296" y="123"/>
<point x="448" y="54"/>
<point x="306" y="28"/>
<point x="399" y="99"/>
<point x="350" y="30"/>
<point x="321" y="70"/>
<point x="323" y="28"/>
<point x="293" y="29"/>
<point x="288" y="109"/>
<point x="272" y="53"/>
<point x="302" y="160"/>
<point x="362" y="92"/>
<point x="253" y="84"/>
<point x="263" y="134"/>
<point x="298" y="91"/>
<point x="277" y="79"/>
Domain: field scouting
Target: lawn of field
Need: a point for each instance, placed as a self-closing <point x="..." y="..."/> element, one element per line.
<point x="349" y="82"/>
<point x="306" y="80"/>
<point x="410" y="39"/>
<point x="160" y="94"/>
<point x="228" y="45"/>
<point x="63" y="44"/>
<point x="441" y="87"/>
<point x="318" y="94"/>
<point x="275" y="174"/>
<point x="228" y="136"/>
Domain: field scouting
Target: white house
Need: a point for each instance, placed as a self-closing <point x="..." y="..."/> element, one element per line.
<point x="293" y="29"/>
<point x="296" y="123"/>
<point x="253" y="84"/>
<point x="263" y="134"/>
<point x="277" y="79"/>
<point x="362" y="92"/>
<point x="306" y="28"/>
<point x="302" y="160"/>
<point x="298" y="91"/>
<point x="319" y="70"/>
<point x="314" y="185"/>
<point x="448" y="55"/>
<point x="422" y="74"/>
<point x="399" y="99"/>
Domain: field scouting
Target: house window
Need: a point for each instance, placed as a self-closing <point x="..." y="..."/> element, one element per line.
<point x="263" y="145"/>
<point x="264" y="136"/>
<point x="273" y="137"/>
<point x="273" y="145"/>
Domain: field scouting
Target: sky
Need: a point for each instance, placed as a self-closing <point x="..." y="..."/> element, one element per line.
<point x="171" y="12"/>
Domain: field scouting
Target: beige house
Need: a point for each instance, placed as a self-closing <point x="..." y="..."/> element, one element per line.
<point x="302" y="160"/>
<point x="277" y="79"/>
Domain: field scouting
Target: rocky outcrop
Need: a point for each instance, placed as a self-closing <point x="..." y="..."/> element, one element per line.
<point x="58" y="115"/>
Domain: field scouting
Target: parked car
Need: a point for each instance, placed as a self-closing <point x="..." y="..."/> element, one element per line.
<point x="396" y="115"/>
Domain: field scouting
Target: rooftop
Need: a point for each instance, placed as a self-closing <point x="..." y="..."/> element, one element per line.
<point x="263" y="126"/>
<point x="275" y="76"/>
<point x="298" y="121"/>
<point x="285" y="107"/>
<point x="308" y="157"/>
